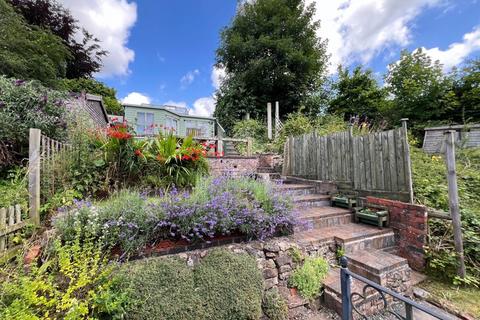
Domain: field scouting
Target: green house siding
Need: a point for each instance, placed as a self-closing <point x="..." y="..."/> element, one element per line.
<point x="162" y="117"/>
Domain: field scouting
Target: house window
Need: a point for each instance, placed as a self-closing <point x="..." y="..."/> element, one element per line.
<point x="145" y="123"/>
<point x="171" y="123"/>
<point x="197" y="128"/>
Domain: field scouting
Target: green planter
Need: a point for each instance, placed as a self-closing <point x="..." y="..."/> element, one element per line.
<point x="343" y="202"/>
<point x="368" y="216"/>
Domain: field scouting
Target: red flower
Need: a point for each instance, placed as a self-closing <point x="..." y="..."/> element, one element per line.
<point x="138" y="153"/>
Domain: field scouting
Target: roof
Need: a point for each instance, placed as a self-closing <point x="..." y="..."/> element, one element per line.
<point x="176" y="110"/>
<point x="99" y="99"/>
<point x="455" y="127"/>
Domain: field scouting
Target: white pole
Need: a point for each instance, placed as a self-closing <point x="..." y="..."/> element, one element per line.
<point x="277" y="118"/>
<point x="269" y="120"/>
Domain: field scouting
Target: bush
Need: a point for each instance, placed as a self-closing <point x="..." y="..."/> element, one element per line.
<point x="74" y="282"/>
<point x="25" y="105"/>
<point x="252" y="129"/>
<point x="220" y="206"/>
<point x="431" y="189"/>
<point x="230" y="286"/>
<point x="164" y="289"/>
<point x="274" y="306"/>
<point x="309" y="277"/>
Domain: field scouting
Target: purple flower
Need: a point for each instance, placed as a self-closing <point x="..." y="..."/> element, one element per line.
<point x="19" y="82"/>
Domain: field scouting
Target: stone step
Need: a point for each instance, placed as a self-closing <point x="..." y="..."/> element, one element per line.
<point x="296" y="189"/>
<point x="272" y="177"/>
<point x="312" y="200"/>
<point x="265" y="170"/>
<point x="377" y="265"/>
<point x="350" y="236"/>
<point x="321" y="217"/>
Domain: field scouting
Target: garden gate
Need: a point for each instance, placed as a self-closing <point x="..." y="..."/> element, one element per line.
<point x="375" y="164"/>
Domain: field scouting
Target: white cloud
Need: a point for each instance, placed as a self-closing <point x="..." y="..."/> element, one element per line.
<point x="136" y="98"/>
<point x="189" y="77"/>
<point x="203" y="107"/>
<point x="458" y="51"/>
<point x="217" y="76"/>
<point x="358" y="30"/>
<point x="176" y="103"/>
<point x="110" y="21"/>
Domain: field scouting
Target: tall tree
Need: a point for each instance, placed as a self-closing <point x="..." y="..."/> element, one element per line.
<point x="28" y="52"/>
<point x="270" y="51"/>
<point x="422" y="92"/>
<point x="358" y="94"/>
<point x="467" y="89"/>
<point x="85" y="56"/>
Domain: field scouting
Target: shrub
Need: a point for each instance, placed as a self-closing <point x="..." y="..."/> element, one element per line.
<point x="431" y="189"/>
<point x="74" y="282"/>
<point x="274" y="306"/>
<point x="220" y="206"/>
<point x="230" y="286"/>
<point x="24" y="105"/>
<point x="164" y="289"/>
<point x="309" y="277"/>
<point x="251" y="129"/>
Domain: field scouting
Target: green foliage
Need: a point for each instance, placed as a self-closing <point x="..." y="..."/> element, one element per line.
<point x="230" y="284"/>
<point x="73" y="282"/>
<point x="358" y="94"/>
<point x="431" y="189"/>
<point x="467" y="89"/>
<point x="13" y="190"/>
<point x="274" y="306"/>
<point x="296" y="255"/>
<point x="421" y="90"/>
<point x="28" y="52"/>
<point x="309" y="277"/>
<point x="25" y="105"/>
<point x="164" y="289"/>
<point x="270" y="52"/>
<point x="252" y="129"/>
<point x="92" y="86"/>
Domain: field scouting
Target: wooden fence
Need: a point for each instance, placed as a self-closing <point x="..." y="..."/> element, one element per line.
<point x="10" y="223"/>
<point x="373" y="164"/>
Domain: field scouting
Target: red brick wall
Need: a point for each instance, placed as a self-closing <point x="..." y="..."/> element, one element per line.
<point x="409" y="222"/>
<point x="233" y="165"/>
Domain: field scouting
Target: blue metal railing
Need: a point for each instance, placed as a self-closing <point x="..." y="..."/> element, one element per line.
<point x="348" y="305"/>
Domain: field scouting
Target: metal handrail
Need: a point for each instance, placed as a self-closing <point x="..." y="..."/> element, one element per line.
<point x="347" y="303"/>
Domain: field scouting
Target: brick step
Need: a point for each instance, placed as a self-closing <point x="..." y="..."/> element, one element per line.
<point x="321" y="217"/>
<point x="312" y="200"/>
<point x="393" y="250"/>
<point x="350" y="236"/>
<point x="296" y="189"/>
<point x="375" y="265"/>
<point x="273" y="177"/>
<point x="265" y="170"/>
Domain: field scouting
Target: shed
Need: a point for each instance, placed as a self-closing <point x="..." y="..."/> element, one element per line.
<point x="466" y="136"/>
<point x="92" y="105"/>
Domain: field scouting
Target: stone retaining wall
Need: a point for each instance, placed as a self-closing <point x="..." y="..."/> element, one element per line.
<point x="409" y="221"/>
<point x="235" y="166"/>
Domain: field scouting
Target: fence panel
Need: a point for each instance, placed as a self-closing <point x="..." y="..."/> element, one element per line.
<point x="371" y="164"/>
<point x="10" y="223"/>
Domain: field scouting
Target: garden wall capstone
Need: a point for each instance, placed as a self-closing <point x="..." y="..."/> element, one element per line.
<point x="409" y="222"/>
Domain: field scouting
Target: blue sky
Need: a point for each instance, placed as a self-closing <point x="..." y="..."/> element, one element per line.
<point x="163" y="51"/>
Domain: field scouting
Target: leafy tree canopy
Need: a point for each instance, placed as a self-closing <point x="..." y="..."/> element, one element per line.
<point x="421" y="90"/>
<point x="93" y="86"/>
<point x="271" y="53"/>
<point x="28" y="52"/>
<point x="85" y="56"/>
<point x="467" y="89"/>
<point x="358" y="94"/>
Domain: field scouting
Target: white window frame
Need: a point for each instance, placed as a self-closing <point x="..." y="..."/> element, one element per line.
<point x="144" y="123"/>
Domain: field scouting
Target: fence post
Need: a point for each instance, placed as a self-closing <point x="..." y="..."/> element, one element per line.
<point x="277" y="119"/>
<point x="269" y="120"/>
<point x="351" y="155"/>
<point x="345" y="283"/>
<point x="408" y="161"/>
<point x="249" y="147"/>
<point x="453" y="199"/>
<point x="34" y="175"/>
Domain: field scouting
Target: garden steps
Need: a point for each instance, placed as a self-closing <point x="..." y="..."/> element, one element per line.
<point x="311" y="200"/>
<point x="320" y="217"/>
<point x="295" y="189"/>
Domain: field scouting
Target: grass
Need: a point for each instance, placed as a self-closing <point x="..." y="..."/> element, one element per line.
<point x="460" y="299"/>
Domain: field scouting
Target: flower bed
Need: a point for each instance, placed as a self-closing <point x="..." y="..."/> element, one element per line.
<point x="131" y="222"/>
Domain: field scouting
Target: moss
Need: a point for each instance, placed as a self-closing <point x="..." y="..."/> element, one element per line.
<point x="231" y="286"/>
<point x="163" y="289"/>
<point x="274" y="306"/>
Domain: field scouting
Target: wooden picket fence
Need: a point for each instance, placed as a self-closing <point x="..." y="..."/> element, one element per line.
<point x="10" y="223"/>
<point x="373" y="164"/>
